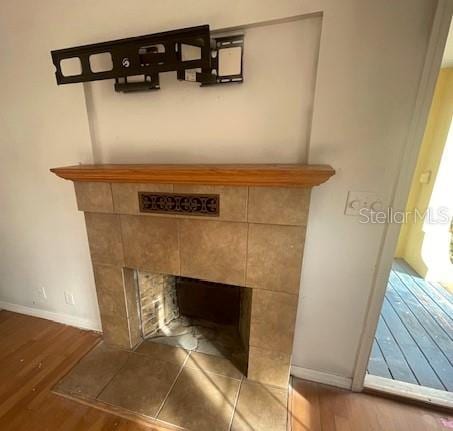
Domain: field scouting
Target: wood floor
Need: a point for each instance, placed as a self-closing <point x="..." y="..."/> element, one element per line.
<point x="36" y="353"/>
<point x="323" y="408"/>
<point x="414" y="339"/>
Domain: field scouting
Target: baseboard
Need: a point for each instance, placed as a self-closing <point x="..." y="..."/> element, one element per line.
<point x="66" y="319"/>
<point x="321" y="377"/>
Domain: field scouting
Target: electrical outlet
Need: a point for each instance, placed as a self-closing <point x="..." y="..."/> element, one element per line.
<point x="357" y="201"/>
<point x="40" y="294"/>
<point x="69" y="298"/>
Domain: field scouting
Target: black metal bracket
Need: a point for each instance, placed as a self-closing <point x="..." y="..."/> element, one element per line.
<point x="147" y="56"/>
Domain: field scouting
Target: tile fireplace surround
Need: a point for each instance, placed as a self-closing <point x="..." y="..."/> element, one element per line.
<point x="255" y="241"/>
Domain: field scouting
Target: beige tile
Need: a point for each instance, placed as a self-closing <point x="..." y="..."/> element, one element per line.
<point x="260" y="408"/>
<point x="232" y="200"/>
<point x="115" y="330"/>
<point x="94" y="197"/>
<point x="213" y="364"/>
<point x="125" y="195"/>
<point x="141" y="385"/>
<point x="104" y="237"/>
<point x="163" y="352"/>
<point x="201" y="401"/>
<point x="274" y="257"/>
<point x="213" y="250"/>
<point x="110" y="291"/>
<point x="268" y="367"/>
<point x="133" y="308"/>
<point x="273" y="319"/>
<point x="93" y="372"/>
<point x="279" y="205"/>
<point x="151" y="243"/>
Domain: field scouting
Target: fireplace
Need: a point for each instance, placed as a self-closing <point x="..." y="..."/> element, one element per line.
<point x="208" y="248"/>
<point x="196" y="315"/>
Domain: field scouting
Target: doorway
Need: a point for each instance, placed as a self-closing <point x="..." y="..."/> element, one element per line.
<point x="414" y="338"/>
<point x="411" y="341"/>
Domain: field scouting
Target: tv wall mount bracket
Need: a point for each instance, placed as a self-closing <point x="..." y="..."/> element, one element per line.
<point x="135" y="63"/>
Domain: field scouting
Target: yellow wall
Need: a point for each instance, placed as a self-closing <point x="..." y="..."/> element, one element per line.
<point x="439" y="120"/>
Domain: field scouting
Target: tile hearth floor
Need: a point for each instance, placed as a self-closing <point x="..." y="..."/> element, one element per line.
<point x="175" y="388"/>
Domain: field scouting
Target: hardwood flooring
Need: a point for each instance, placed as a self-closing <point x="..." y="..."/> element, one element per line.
<point x="36" y="353"/>
<point x="318" y="407"/>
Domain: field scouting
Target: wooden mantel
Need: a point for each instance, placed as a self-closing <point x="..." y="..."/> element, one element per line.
<point x="289" y="175"/>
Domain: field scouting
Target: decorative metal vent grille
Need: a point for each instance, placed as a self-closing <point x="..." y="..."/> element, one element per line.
<point x="176" y="203"/>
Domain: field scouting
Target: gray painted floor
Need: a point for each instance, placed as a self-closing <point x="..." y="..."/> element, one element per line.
<point x="414" y="339"/>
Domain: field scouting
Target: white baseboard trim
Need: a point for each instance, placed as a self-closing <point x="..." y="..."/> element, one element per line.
<point x="321" y="377"/>
<point x="66" y="319"/>
<point x="408" y="390"/>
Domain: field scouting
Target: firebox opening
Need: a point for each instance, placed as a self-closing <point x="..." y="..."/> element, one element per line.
<point x="197" y="315"/>
<point x="214" y="302"/>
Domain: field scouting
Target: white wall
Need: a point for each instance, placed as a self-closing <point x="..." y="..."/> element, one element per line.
<point x="265" y="119"/>
<point x="371" y="55"/>
<point x="42" y="236"/>
<point x="370" y="64"/>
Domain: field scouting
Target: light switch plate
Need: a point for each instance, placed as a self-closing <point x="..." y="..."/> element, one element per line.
<point x="358" y="201"/>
